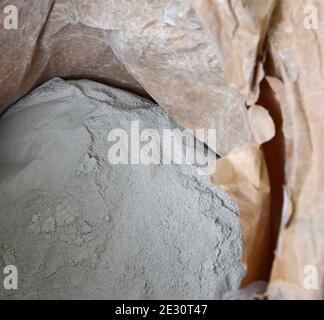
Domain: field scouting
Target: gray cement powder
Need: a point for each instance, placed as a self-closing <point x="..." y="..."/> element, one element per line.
<point x="78" y="227"/>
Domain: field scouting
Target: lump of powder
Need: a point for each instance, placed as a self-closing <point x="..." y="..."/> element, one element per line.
<point x="77" y="226"/>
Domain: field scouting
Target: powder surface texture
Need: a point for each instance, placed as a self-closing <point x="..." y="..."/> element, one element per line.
<point x="78" y="227"/>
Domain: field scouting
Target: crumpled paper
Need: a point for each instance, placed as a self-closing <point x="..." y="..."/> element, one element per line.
<point x="298" y="84"/>
<point x="251" y="69"/>
<point x="238" y="30"/>
<point x="159" y="43"/>
<point x="289" y="83"/>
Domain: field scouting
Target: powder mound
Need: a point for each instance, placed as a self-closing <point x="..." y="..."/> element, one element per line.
<point x="78" y="227"/>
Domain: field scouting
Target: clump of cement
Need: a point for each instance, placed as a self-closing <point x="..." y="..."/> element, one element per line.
<point x="77" y="226"/>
